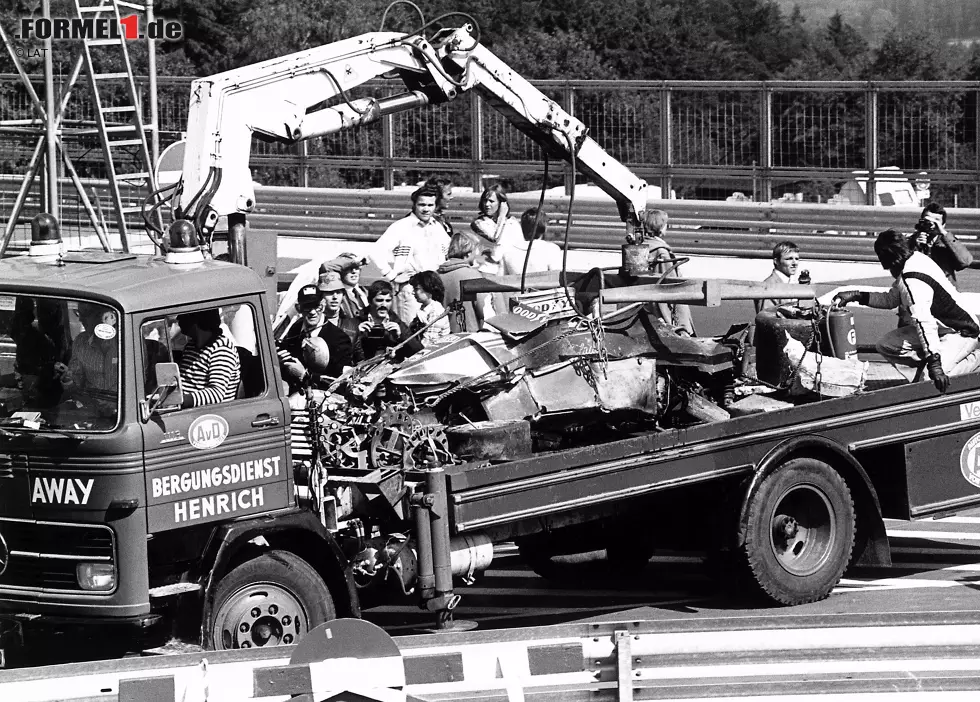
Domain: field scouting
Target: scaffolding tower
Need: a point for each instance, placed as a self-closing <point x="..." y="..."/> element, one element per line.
<point x="126" y="128"/>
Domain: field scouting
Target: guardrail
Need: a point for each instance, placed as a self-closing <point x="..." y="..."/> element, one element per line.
<point x="744" y="230"/>
<point x="622" y="661"/>
<point x="699" y="227"/>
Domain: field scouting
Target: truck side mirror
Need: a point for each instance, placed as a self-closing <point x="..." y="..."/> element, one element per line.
<point x="168" y="396"/>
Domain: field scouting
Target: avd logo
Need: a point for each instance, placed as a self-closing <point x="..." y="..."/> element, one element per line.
<point x="970" y="460"/>
<point x="207" y="431"/>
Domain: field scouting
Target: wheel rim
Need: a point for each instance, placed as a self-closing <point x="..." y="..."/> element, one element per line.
<point x="258" y="616"/>
<point x="803" y="530"/>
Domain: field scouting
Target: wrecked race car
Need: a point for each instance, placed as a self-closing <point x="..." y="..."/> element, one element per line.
<point x="568" y="366"/>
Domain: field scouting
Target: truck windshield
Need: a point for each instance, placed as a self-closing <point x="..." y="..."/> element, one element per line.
<point x="59" y="363"/>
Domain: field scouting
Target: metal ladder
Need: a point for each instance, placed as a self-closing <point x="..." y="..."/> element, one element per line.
<point x="120" y="126"/>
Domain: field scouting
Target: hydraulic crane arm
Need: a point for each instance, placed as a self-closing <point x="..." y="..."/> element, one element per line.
<point x="281" y="100"/>
<point x="558" y="133"/>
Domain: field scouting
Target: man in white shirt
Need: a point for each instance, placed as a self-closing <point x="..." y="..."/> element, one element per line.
<point x="786" y="266"/>
<point x="411" y="245"/>
<point x="545" y="255"/>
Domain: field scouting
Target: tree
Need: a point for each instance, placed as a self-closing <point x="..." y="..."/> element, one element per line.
<point x="915" y="55"/>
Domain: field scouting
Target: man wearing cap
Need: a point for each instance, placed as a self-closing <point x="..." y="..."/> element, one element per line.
<point x="312" y="303"/>
<point x="411" y="245"/>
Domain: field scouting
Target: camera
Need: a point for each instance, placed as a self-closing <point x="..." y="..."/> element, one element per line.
<point x="377" y="331"/>
<point x="930" y="229"/>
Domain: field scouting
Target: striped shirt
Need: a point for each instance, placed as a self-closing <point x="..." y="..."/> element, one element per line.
<point x="210" y="375"/>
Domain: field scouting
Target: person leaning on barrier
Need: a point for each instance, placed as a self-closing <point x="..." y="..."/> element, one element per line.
<point x="922" y="291"/>
<point x="932" y="238"/>
<point x="663" y="262"/>
<point x="785" y="269"/>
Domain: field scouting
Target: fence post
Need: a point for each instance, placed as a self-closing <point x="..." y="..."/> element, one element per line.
<point x="388" y="152"/>
<point x="765" y="143"/>
<point x="871" y="142"/>
<point x="666" y="142"/>
<point x="568" y="97"/>
<point x="304" y="163"/>
<point x="476" y="127"/>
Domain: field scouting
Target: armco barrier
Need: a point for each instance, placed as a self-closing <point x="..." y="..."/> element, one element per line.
<point x="765" y="658"/>
<point x="700" y="227"/>
<point x="745" y="230"/>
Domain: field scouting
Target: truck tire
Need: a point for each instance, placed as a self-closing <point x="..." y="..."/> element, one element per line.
<point x="799" y="531"/>
<point x="271" y="600"/>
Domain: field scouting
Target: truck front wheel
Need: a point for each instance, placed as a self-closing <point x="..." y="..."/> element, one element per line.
<point x="271" y="600"/>
<point x="798" y="532"/>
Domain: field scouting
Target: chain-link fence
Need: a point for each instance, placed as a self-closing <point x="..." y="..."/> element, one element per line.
<point x="698" y="139"/>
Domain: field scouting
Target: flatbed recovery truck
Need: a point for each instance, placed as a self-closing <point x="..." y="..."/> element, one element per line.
<point x="120" y="515"/>
<point x="121" y="509"/>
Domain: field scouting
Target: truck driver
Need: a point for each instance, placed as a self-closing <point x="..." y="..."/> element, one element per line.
<point x="934" y="306"/>
<point x="210" y="369"/>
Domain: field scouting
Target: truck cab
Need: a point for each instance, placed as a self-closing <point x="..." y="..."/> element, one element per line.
<point x="109" y="500"/>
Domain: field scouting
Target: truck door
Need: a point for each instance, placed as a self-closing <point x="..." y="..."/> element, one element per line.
<point x="227" y="458"/>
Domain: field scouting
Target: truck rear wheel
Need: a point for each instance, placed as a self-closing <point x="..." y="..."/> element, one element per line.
<point x="799" y="532"/>
<point x="271" y="600"/>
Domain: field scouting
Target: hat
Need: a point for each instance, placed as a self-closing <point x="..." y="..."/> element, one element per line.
<point x="330" y="282"/>
<point x="309" y="296"/>
<point x="342" y="263"/>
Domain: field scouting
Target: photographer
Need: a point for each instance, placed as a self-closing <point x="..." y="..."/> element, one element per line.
<point x="932" y="239"/>
<point x="380" y="328"/>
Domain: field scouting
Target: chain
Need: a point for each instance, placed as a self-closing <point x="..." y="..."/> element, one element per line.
<point x="818" y="378"/>
<point x="598" y="333"/>
<point x="815" y="341"/>
<point x="583" y="369"/>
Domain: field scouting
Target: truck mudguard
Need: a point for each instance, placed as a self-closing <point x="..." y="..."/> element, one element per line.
<point x="871" y="548"/>
<point x="290" y="530"/>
